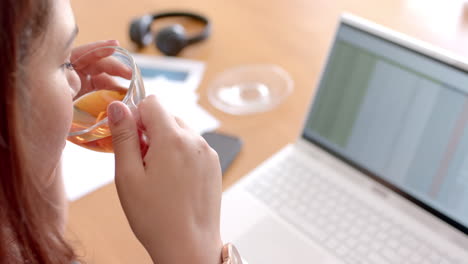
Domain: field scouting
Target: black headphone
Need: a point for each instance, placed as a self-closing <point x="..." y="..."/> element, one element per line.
<point x="169" y="40"/>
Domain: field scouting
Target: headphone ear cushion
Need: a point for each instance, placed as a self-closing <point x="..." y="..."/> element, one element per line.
<point x="171" y="40"/>
<point x="140" y="30"/>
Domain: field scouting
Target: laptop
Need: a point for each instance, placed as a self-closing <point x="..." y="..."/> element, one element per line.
<point x="380" y="171"/>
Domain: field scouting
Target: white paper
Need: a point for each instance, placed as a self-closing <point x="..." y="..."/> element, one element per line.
<point x="85" y="170"/>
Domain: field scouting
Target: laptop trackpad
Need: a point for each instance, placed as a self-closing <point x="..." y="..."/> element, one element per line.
<point x="269" y="241"/>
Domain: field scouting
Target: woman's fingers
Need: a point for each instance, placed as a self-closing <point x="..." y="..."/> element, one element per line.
<point x="105" y="82"/>
<point x="109" y="65"/>
<point x="126" y="143"/>
<point x="156" y="120"/>
<point x="95" y="68"/>
<point x="101" y="81"/>
<point x="83" y="49"/>
<point x="87" y="61"/>
<point x="184" y="125"/>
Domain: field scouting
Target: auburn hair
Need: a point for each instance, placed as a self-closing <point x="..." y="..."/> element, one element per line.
<point x="26" y="233"/>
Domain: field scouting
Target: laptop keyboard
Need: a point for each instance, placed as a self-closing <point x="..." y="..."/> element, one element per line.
<point x="349" y="228"/>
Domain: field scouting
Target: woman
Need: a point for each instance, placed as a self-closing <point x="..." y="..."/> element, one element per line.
<point x="177" y="184"/>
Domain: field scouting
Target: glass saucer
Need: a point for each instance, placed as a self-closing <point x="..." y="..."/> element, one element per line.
<point x="250" y="89"/>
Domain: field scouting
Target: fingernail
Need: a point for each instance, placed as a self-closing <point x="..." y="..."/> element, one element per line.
<point x="113" y="42"/>
<point x="115" y="113"/>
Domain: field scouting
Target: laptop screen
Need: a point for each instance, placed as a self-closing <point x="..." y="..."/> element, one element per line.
<point x="398" y="115"/>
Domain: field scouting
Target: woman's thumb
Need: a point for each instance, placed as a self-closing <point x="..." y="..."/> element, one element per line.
<point x="125" y="140"/>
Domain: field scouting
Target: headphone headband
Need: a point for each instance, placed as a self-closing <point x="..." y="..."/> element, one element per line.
<point x="192" y="39"/>
<point x="169" y="40"/>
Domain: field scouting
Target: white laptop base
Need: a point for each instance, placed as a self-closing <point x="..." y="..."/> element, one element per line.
<point x="302" y="206"/>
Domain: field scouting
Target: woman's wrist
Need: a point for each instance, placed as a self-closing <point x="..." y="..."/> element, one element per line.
<point x="197" y="253"/>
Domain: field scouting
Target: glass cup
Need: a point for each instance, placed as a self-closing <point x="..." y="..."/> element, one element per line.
<point x="107" y="74"/>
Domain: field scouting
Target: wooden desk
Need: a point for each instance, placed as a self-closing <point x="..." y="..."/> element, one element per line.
<point x="295" y="34"/>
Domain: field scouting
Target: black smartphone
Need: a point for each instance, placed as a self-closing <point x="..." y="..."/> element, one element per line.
<point x="227" y="146"/>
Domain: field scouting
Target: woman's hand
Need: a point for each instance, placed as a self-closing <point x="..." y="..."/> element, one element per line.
<point x="172" y="195"/>
<point x="95" y="69"/>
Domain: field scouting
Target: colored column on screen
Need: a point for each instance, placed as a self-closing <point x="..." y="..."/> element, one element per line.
<point x="434" y="141"/>
<point x="345" y="83"/>
<point x="412" y="129"/>
<point x="450" y="186"/>
<point x="390" y="94"/>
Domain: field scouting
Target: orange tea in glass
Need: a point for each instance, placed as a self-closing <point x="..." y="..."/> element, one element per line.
<point x="107" y="74"/>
